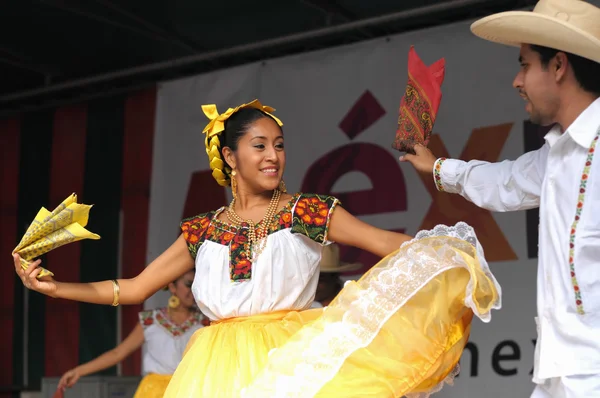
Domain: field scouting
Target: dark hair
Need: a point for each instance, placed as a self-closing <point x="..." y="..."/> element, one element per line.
<point x="237" y="125"/>
<point x="587" y="72"/>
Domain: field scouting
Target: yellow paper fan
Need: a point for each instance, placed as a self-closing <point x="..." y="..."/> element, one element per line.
<point x="49" y="230"/>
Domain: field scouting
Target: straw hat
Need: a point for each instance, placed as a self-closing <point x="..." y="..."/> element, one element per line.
<point x="330" y="260"/>
<point x="571" y="26"/>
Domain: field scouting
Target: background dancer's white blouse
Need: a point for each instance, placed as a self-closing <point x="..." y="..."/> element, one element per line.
<point x="165" y="341"/>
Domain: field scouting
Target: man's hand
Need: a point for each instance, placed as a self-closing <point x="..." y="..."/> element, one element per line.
<point x="423" y="160"/>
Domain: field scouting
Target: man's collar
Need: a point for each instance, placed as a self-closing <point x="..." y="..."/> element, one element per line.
<point x="582" y="130"/>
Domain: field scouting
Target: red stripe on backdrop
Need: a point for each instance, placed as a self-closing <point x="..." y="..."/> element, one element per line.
<point x="9" y="183"/>
<point x="135" y="203"/>
<point x="66" y="177"/>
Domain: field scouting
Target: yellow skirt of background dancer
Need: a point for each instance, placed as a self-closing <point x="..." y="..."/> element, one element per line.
<point x="152" y="386"/>
<point x="398" y="331"/>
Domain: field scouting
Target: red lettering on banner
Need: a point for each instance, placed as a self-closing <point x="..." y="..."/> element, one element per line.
<point x="382" y="169"/>
<point x="484" y="144"/>
<point x="363" y="114"/>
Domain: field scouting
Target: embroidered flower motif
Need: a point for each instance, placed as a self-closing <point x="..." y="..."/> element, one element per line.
<point x="580" y="202"/>
<point x="146" y="318"/>
<point x="194" y="230"/>
<point x="285" y="219"/>
<point x="242" y="269"/>
<point x="312" y="211"/>
<point x="211" y="230"/>
<point x="312" y="215"/>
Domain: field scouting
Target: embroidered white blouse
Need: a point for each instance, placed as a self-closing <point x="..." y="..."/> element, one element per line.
<point x="165" y="341"/>
<point x="563" y="179"/>
<point x="286" y="273"/>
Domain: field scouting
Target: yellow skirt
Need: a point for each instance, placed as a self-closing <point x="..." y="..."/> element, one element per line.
<point x="152" y="386"/>
<point x="398" y="331"/>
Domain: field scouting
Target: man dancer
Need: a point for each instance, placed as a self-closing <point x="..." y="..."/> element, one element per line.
<point x="559" y="79"/>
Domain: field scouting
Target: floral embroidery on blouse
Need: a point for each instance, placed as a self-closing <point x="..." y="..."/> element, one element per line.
<point x="150" y="317"/>
<point x="194" y="231"/>
<point x="174" y="329"/>
<point x="312" y="215"/>
<point x="240" y="266"/>
<point x="283" y="219"/>
<point x="146" y="318"/>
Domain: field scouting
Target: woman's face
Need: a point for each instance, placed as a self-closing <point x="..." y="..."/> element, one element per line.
<point x="260" y="157"/>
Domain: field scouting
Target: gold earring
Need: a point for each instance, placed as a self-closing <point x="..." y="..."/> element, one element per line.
<point x="174" y="302"/>
<point x="233" y="184"/>
<point x="282" y="186"/>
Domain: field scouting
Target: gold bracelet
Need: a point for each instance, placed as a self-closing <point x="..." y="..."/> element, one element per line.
<point x="116" y="291"/>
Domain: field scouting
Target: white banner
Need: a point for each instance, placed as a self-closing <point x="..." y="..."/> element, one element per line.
<point x="339" y="107"/>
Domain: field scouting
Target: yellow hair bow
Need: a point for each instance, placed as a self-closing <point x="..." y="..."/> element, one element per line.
<point x="217" y="121"/>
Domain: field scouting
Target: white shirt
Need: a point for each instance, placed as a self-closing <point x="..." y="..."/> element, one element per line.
<point x="551" y="177"/>
<point x="165" y="341"/>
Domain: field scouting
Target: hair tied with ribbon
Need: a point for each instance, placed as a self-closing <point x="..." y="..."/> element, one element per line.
<point x="216" y="125"/>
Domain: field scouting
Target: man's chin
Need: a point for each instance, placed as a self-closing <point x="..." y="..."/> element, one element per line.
<point x="541" y="122"/>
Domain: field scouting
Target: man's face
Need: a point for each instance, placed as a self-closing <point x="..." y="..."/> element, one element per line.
<point x="538" y="86"/>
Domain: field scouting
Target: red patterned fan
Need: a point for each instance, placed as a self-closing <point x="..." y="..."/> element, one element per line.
<point x="420" y="103"/>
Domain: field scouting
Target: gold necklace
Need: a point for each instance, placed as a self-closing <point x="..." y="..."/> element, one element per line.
<point x="256" y="236"/>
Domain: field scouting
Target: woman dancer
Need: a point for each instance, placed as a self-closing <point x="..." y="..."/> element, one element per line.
<point x="403" y="325"/>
